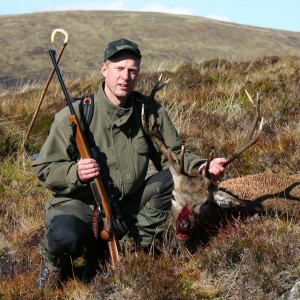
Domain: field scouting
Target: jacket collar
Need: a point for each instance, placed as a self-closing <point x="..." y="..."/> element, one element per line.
<point x="119" y="115"/>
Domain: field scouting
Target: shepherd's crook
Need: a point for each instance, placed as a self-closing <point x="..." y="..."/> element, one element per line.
<point x="48" y="81"/>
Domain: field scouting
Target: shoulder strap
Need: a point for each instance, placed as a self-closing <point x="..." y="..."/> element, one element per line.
<point x="86" y="109"/>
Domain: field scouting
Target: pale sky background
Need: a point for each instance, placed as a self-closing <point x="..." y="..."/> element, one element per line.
<point x="275" y="14"/>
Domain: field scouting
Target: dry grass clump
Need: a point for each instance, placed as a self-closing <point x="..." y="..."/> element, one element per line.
<point x="21" y="214"/>
<point x="257" y="259"/>
<point x="21" y="196"/>
<point x="143" y="276"/>
<point x="130" y="281"/>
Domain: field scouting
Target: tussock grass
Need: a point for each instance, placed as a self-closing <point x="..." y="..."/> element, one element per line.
<point x="256" y="259"/>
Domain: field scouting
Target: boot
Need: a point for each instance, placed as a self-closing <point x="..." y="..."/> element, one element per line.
<point x="50" y="279"/>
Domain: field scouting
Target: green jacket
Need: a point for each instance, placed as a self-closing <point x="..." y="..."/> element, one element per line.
<point x="124" y="151"/>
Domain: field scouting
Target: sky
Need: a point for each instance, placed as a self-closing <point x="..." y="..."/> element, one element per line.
<point x="274" y="14"/>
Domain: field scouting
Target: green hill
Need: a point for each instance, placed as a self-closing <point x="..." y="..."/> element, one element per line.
<point x="166" y="41"/>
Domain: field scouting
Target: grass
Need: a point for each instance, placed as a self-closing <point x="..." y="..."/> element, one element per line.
<point x="256" y="259"/>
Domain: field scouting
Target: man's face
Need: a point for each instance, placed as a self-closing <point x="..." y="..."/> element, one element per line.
<point x="120" y="76"/>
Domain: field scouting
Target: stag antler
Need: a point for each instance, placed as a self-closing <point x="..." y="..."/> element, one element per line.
<point x="158" y="86"/>
<point x="249" y="141"/>
<point x="251" y="138"/>
<point x="152" y="130"/>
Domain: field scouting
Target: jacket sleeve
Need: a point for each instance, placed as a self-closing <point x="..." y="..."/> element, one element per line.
<point x="54" y="167"/>
<point x="172" y="140"/>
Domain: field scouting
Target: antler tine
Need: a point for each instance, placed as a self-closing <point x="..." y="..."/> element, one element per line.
<point x="250" y="138"/>
<point x="158" y="87"/>
<point x="155" y="89"/>
<point x="152" y="119"/>
<point x="257" y="114"/>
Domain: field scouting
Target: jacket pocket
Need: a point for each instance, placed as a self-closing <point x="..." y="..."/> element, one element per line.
<point x="140" y="145"/>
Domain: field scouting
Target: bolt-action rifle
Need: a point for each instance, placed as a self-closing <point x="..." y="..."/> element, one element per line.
<point x="102" y="203"/>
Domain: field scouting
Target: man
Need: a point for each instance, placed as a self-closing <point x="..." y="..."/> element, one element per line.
<point x="122" y="159"/>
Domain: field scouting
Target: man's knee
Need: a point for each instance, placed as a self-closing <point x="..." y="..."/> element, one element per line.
<point x="162" y="199"/>
<point x="66" y="234"/>
<point x="166" y="187"/>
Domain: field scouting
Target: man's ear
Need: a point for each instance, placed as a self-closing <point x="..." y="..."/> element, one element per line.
<point x="103" y="69"/>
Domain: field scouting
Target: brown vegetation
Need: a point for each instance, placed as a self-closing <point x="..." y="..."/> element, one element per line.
<point x="258" y="259"/>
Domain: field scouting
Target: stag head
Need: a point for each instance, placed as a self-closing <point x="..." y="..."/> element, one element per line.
<point x="188" y="204"/>
<point x="193" y="193"/>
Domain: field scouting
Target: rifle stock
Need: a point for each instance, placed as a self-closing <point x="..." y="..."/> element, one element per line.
<point x="100" y="195"/>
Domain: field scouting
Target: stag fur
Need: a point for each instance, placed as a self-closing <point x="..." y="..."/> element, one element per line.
<point x="278" y="193"/>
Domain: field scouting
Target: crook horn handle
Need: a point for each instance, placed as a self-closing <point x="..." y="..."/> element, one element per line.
<point x="55" y="31"/>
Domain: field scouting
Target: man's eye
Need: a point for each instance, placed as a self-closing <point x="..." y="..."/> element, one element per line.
<point x="133" y="72"/>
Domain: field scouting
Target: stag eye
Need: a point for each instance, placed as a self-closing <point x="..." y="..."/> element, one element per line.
<point x="196" y="208"/>
<point x="174" y="195"/>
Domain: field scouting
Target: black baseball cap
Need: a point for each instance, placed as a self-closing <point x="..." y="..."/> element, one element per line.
<point x="122" y="44"/>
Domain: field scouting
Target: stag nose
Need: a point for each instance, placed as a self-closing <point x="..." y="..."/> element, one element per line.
<point x="185" y="221"/>
<point x="185" y="225"/>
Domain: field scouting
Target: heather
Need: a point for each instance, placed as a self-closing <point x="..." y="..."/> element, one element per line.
<point x="254" y="259"/>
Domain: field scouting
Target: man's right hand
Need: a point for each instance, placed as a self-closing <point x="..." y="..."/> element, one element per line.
<point x="87" y="169"/>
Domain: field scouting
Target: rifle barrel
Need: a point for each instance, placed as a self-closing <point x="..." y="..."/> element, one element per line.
<point x="52" y="54"/>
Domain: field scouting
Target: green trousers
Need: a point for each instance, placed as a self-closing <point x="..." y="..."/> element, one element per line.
<point x="146" y="211"/>
<point x="69" y="224"/>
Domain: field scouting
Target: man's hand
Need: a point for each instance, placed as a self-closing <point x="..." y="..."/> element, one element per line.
<point x="216" y="169"/>
<point x="87" y="169"/>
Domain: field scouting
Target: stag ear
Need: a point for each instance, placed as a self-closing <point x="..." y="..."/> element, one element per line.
<point x="223" y="199"/>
